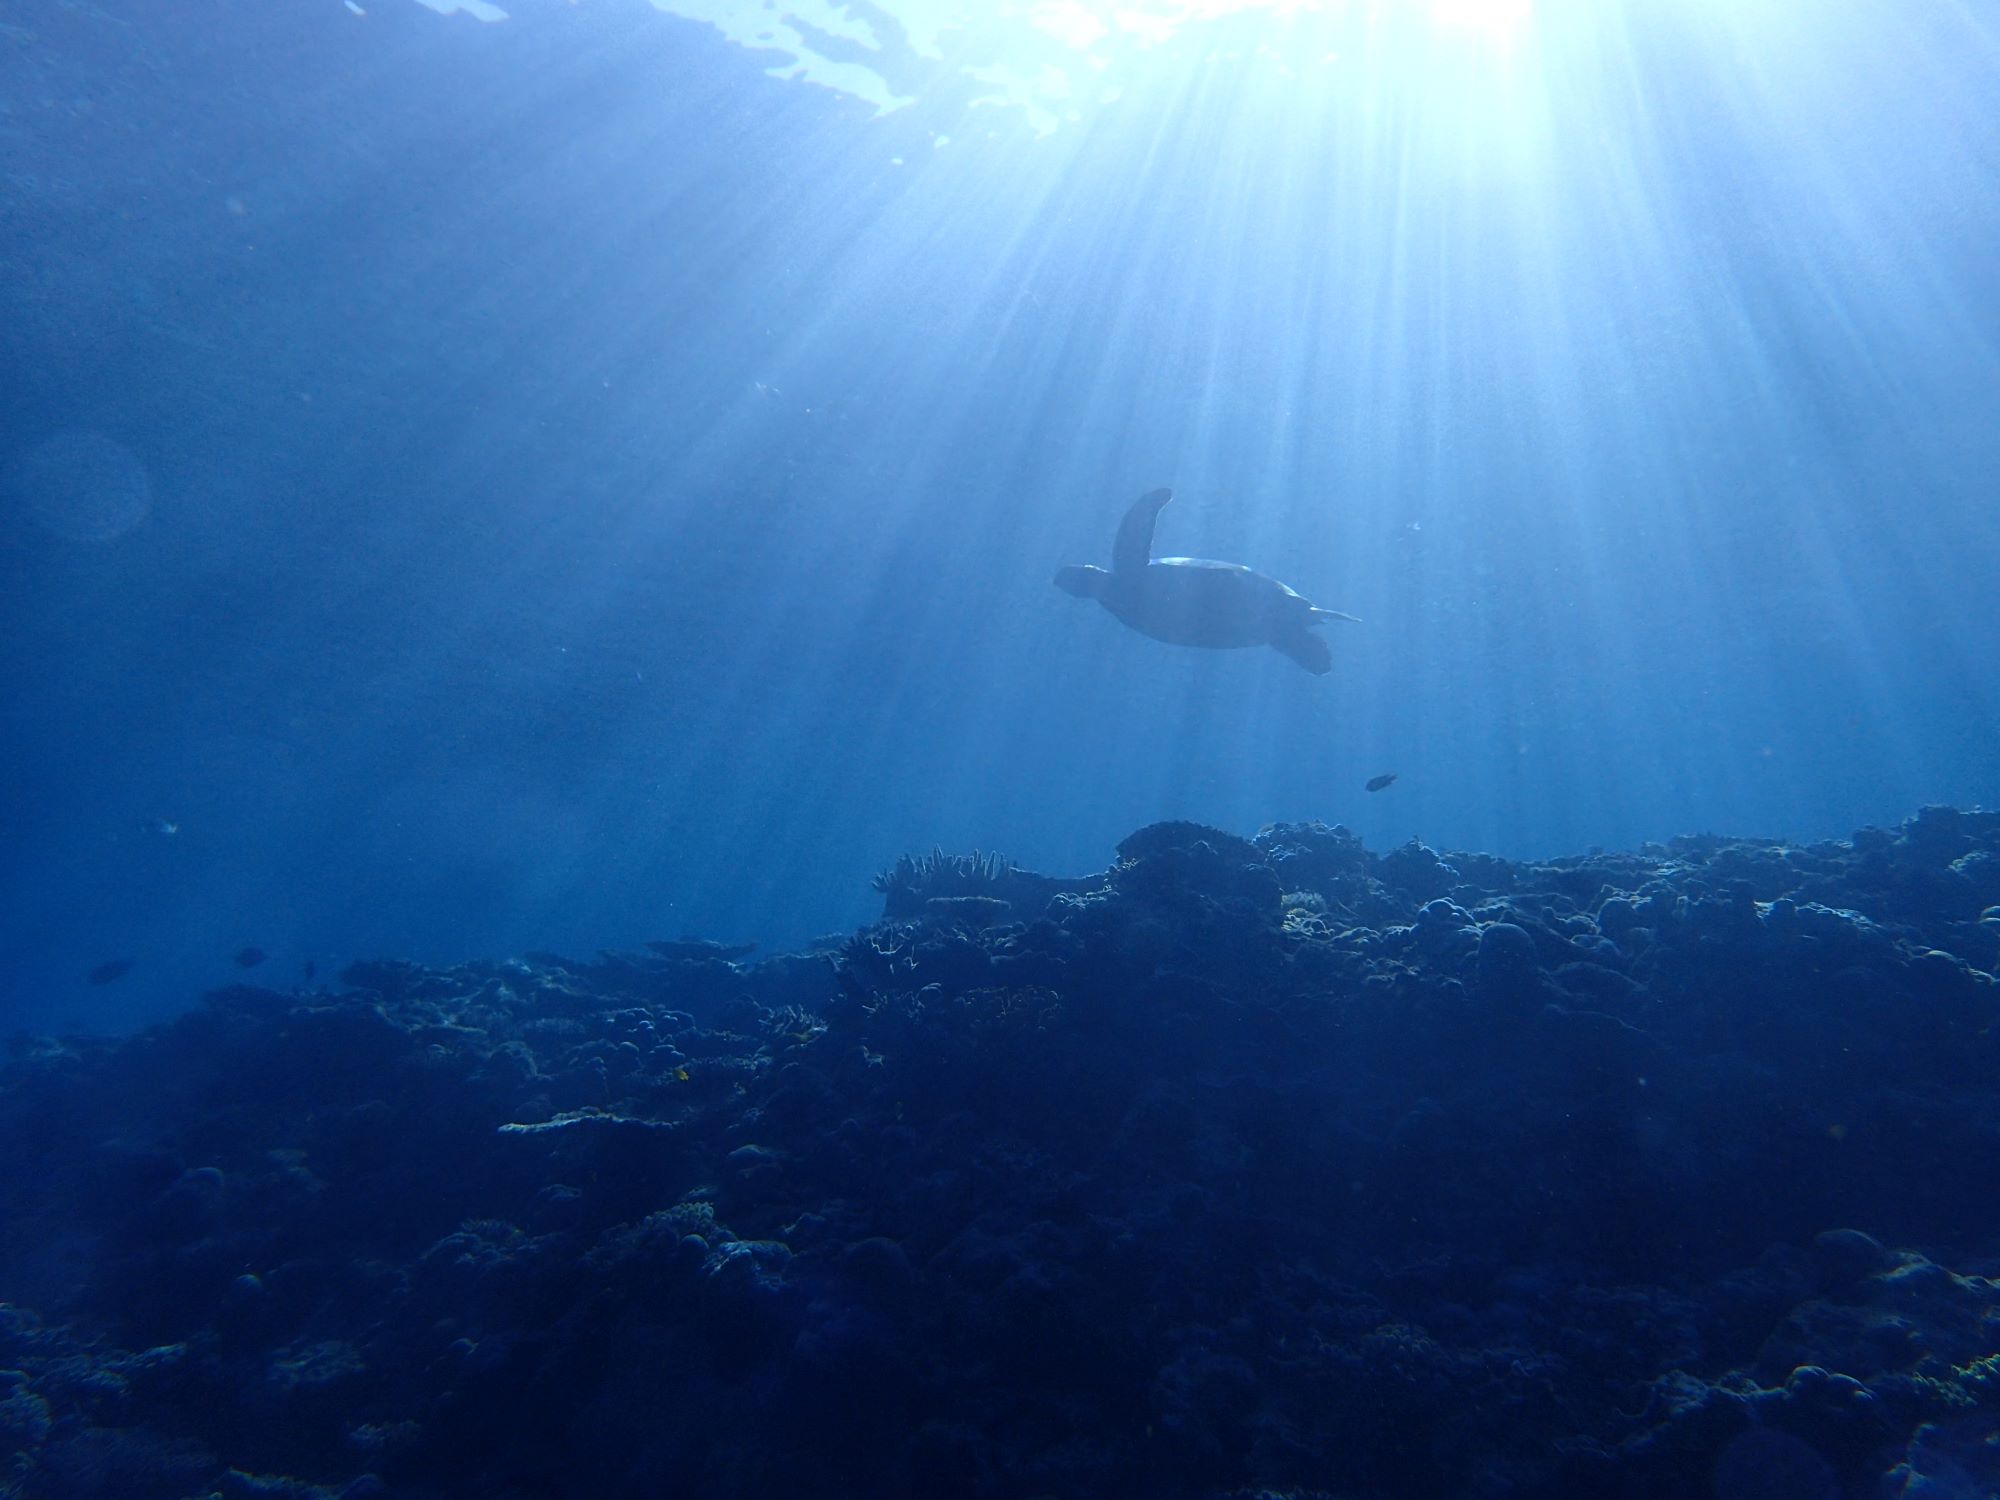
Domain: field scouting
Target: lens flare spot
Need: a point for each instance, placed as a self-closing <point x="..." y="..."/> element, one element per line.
<point x="81" y="485"/>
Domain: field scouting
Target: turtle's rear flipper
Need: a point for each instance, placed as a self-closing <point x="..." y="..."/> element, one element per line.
<point x="1305" y="648"/>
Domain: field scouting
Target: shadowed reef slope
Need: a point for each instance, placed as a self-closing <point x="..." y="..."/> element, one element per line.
<point x="1269" y="1164"/>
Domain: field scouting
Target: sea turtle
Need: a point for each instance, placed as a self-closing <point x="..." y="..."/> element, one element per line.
<point x="1191" y="601"/>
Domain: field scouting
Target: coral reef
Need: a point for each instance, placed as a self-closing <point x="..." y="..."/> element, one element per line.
<point x="1269" y="1166"/>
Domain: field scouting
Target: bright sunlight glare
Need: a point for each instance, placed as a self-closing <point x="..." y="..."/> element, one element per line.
<point x="1056" y="61"/>
<point x="1500" y="19"/>
<point x="1411" y="301"/>
<point x="1609" y="358"/>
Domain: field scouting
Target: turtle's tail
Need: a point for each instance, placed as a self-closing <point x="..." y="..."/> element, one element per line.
<point x="1334" y="614"/>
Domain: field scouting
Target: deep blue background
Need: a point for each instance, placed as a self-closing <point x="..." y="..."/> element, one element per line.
<point x="601" y="491"/>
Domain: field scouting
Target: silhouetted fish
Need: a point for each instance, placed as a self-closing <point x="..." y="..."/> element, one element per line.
<point x="310" y="969"/>
<point x="110" y="969"/>
<point x="1376" y="783"/>
<point x="249" y="958"/>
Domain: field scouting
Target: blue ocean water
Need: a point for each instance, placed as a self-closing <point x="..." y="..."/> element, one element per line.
<point x="478" y="483"/>
<point x="505" y="504"/>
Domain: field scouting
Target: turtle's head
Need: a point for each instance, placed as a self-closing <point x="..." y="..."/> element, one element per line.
<point x="1082" y="580"/>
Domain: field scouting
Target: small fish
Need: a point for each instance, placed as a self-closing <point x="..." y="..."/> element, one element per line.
<point x="249" y="958"/>
<point x="1376" y="783"/>
<point x="110" y="969"/>
<point x="310" y="969"/>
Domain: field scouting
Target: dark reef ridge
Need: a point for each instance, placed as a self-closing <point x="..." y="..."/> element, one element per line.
<point x="1268" y="1167"/>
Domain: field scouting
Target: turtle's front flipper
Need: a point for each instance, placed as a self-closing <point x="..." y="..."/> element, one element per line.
<point x="1334" y="614"/>
<point x="1134" y="547"/>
